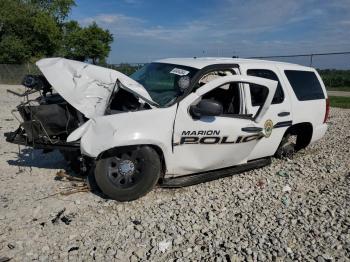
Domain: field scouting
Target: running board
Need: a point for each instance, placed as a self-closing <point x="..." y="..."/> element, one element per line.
<point x="194" y="179"/>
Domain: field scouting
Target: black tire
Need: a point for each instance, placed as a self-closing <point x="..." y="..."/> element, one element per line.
<point x="129" y="174"/>
<point x="286" y="148"/>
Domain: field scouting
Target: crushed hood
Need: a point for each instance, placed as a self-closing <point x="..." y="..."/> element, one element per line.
<point x="87" y="87"/>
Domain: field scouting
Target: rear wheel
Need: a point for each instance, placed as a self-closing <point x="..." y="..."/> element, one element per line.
<point x="129" y="174"/>
<point x="286" y="147"/>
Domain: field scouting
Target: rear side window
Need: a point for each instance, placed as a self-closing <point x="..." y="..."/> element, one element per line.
<point x="259" y="95"/>
<point x="305" y="85"/>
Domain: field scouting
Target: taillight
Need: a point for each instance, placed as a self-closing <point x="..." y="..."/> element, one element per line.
<point x="326" y="115"/>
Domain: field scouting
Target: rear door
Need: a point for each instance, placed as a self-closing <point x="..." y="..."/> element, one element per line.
<point x="213" y="142"/>
<point x="279" y="113"/>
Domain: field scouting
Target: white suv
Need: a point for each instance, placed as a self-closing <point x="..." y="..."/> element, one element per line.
<point x="176" y="121"/>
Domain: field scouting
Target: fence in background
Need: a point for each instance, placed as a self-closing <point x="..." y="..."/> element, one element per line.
<point x="326" y="63"/>
<point x="310" y="57"/>
<point x="13" y="74"/>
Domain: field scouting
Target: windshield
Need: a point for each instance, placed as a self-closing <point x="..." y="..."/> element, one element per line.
<point x="164" y="82"/>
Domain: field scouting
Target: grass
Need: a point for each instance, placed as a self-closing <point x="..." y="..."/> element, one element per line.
<point x="339" y="101"/>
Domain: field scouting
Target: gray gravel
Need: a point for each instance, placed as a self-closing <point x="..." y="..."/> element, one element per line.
<point x="338" y="93"/>
<point x="291" y="210"/>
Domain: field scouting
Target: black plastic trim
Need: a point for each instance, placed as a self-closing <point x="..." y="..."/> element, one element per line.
<point x="252" y="129"/>
<point x="284" y="114"/>
<point x="283" y="124"/>
<point x="198" y="178"/>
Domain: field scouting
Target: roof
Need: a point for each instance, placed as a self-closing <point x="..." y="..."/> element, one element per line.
<point x="200" y="62"/>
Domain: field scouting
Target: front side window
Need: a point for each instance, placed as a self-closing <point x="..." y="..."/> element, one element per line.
<point x="164" y="82"/>
<point x="305" y="85"/>
<point x="258" y="95"/>
<point x="229" y="97"/>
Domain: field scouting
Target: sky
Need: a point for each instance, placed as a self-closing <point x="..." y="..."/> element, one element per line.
<point x="147" y="30"/>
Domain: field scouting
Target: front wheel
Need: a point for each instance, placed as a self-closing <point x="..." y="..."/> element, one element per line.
<point x="129" y="174"/>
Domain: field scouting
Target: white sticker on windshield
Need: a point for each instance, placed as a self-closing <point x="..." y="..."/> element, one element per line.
<point x="179" y="71"/>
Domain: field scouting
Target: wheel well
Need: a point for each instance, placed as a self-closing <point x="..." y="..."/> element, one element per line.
<point x="112" y="151"/>
<point x="303" y="131"/>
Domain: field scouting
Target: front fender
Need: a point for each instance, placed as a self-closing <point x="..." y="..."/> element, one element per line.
<point x="152" y="127"/>
<point x="79" y="132"/>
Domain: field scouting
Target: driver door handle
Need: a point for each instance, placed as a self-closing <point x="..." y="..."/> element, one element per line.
<point x="252" y="129"/>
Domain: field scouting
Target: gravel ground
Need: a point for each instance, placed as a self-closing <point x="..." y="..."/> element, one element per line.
<point x="339" y="93"/>
<point x="291" y="210"/>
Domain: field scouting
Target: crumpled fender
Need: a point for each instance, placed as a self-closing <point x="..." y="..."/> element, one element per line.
<point x="79" y="132"/>
<point x="147" y="127"/>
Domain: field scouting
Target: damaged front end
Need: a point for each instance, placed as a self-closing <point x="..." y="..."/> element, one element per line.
<point x="71" y="93"/>
<point x="47" y="120"/>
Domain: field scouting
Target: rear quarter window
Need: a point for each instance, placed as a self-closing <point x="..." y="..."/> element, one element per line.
<point x="305" y="85"/>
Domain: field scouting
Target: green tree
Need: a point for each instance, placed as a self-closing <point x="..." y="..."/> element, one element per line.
<point x="59" y="9"/>
<point x="30" y="29"/>
<point x="72" y="41"/>
<point x="89" y="43"/>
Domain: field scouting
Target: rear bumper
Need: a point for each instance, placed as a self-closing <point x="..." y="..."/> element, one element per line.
<point x="20" y="138"/>
<point x="318" y="133"/>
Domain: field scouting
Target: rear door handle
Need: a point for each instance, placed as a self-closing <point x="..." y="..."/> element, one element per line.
<point x="284" y="114"/>
<point x="252" y="129"/>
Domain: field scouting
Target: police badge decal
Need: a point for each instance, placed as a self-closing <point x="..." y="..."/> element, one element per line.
<point x="268" y="126"/>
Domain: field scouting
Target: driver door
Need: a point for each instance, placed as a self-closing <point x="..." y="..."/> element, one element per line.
<point x="212" y="142"/>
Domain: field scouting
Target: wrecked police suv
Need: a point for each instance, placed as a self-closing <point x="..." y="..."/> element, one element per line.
<point x="176" y="122"/>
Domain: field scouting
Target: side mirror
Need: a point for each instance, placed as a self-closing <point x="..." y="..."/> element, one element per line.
<point x="206" y="107"/>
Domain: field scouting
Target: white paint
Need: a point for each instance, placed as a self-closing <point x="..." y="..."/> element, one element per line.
<point x="163" y="127"/>
<point x="155" y="127"/>
<point x="86" y="87"/>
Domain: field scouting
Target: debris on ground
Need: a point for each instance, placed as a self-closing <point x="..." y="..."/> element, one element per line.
<point x="62" y="175"/>
<point x="58" y="216"/>
<point x="74" y="191"/>
<point x="73" y="249"/>
<point x="164" y="245"/>
<point x="261" y="183"/>
<point x="68" y="218"/>
<point x="285" y="200"/>
<point x="286" y="189"/>
<point x="282" y="174"/>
